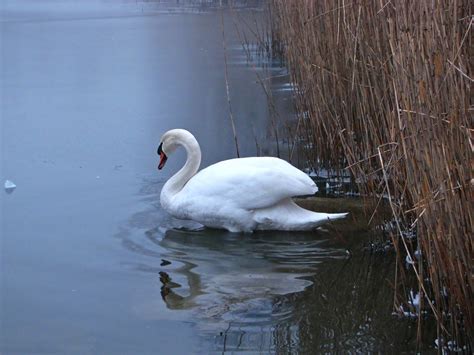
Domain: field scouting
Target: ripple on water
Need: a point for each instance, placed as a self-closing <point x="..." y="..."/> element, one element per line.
<point x="236" y="288"/>
<point x="224" y="277"/>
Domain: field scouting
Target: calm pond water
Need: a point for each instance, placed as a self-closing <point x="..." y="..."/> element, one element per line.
<point x="90" y="264"/>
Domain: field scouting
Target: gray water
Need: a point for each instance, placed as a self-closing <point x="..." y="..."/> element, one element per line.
<point x="90" y="263"/>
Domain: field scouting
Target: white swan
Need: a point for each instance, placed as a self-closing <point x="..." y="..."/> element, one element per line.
<point x="244" y="194"/>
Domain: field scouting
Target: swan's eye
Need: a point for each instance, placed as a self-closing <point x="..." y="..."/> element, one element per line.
<point x="160" y="150"/>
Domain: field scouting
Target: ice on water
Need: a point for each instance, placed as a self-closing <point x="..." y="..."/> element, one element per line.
<point x="9" y="186"/>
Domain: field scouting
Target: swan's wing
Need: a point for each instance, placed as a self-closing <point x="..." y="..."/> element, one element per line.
<point x="249" y="183"/>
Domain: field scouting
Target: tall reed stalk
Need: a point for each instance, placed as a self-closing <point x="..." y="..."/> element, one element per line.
<point x="226" y="77"/>
<point x="384" y="90"/>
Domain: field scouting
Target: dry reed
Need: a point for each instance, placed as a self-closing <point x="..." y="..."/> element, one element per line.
<point x="226" y="77"/>
<point x="384" y="89"/>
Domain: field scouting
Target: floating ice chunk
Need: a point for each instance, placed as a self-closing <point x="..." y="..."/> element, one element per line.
<point x="449" y="347"/>
<point x="9" y="186"/>
<point x="310" y="172"/>
<point x="407" y="314"/>
<point x="418" y="254"/>
<point x="444" y="291"/>
<point x="415" y="300"/>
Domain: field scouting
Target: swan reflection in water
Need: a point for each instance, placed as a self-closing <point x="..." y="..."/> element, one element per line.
<point x="236" y="278"/>
<point x="267" y="291"/>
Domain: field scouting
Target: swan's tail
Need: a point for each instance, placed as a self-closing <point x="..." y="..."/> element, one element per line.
<point x="334" y="216"/>
<point x="287" y="215"/>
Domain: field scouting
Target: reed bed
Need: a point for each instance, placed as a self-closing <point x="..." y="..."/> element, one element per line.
<point x="384" y="90"/>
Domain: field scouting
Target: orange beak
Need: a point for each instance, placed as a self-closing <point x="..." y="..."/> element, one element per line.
<point x="163" y="159"/>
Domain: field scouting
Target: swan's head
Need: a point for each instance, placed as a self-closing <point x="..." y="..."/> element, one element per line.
<point x="170" y="141"/>
<point x="163" y="156"/>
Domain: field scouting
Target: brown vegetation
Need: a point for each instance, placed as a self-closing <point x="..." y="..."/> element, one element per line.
<point x="384" y="89"/>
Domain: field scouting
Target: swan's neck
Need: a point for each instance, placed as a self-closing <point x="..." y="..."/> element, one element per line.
<point x="176" y="183"/>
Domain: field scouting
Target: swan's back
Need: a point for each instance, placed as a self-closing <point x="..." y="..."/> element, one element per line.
<point x="249" y="183"/>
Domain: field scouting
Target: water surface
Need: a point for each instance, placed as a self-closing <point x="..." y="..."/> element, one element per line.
<point x="90" y="264"/>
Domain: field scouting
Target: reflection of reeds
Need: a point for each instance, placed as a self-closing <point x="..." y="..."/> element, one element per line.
<point x="385" y="90"/>
<point x="261" y="46"/>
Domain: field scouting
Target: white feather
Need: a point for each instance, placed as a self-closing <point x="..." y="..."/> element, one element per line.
<point x="238" y="194"/>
